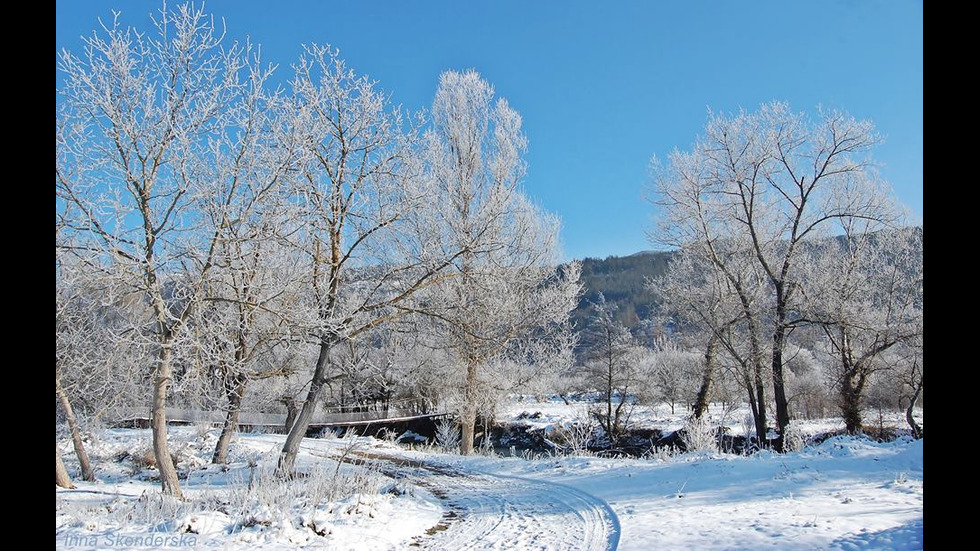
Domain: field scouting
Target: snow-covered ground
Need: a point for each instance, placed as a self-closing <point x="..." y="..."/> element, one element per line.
<point x="844" y="493"/>
<point x="335" y="506"/>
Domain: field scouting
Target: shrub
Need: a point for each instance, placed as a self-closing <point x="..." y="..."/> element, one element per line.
<point x="699" y="436"/>
<point x="448" y="435"/>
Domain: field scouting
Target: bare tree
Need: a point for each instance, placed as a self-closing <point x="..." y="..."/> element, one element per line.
<point x="145" y="123"/>
<point x="866" y="294"/>
<point x="362" y="206"/>
<point x="675" y="372"/>
<point x="707" y="291"/>
<point x="504" y="285"/>
<point x="610" y="365"/>
<point x="765" y="183"/>
<point x="73" y="335"/>
<point x="910" y="370"/>
<point x="61" y="473"/>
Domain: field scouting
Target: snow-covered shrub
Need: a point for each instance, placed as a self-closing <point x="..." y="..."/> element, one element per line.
<point x="794" y="439"/>
<point x="152" y="509"/>
<point x="329" y="432"/>
<point x="578" y="435"/>
<point x="699" y="436"/>
<point x="660" y="453"/>
<point x="268" y="497"/>
<point x="486" y="445"/>
<point x="388" y="435"/>
<point x="530" y="455"/>
<point x="142" y="458"/>
<point x="748" y="425"/>
<point x="448" y="435"/>
<point x="201" y="430"/>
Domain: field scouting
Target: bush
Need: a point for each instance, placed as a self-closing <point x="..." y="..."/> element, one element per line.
<point x="448" y="435"/>
<point x="578" y="436"/>
<point x="794" y="439"/>
<point x="699" y="436"/>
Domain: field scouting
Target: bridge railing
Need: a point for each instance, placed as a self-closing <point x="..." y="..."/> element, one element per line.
<point x="217" y="417"/>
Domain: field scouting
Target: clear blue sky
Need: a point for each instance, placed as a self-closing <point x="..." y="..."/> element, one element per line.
<point x="603" y="86"/>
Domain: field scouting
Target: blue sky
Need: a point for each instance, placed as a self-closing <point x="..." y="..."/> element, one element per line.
<point x="603" y="86"/>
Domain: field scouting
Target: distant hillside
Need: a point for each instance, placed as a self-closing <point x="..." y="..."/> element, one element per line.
<point x="621" y="280"/>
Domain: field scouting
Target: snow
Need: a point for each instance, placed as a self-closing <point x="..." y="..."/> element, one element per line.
<point x="844" y="493"/>
<point x="847" y="493"/>
<point x="217" y="515"/>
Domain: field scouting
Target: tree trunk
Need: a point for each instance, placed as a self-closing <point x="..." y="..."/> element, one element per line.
<point x="760" y="398"/>
<point x="779" y="389"/>
<point x="61" y="473"/>
<point x="916" y="429"/>
<point x="88" y="474"/>
<point x="235" y="390"/>
<point x="850" y="403"/>
<point x="778" y="385"/>
<point x="704" y="392"/>
<point x="291" y="411"/>
<point x="610" y="427"/>
<point x="468" y="415"/>
<point x="287" y="457"/>
<point x="754" y="406"/>
<point x="619" y="424"/>
<point x="158" y="419"/>
<point x="761" y="419"/>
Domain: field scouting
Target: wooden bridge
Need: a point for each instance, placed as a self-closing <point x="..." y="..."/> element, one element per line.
<point x="366" y="422"/>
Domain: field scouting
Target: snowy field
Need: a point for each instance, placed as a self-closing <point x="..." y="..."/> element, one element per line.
<point x="844" y="493"/>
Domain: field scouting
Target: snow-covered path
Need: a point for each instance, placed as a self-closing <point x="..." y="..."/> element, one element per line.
<point x="491" y="511"/>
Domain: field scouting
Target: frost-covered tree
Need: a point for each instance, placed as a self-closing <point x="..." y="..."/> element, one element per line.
<point x="365" y="243"/>
<point x="252" y="286"/>
<point x="152" y="132"/>
<point x="88" y="474"/>
<point x="865" y="291"/>
<point x="707" y="291"/>
<point x="677" y="374"/>
<point x="612" y="366"/>
<point x="763" y="184"/>
<point x="806" y="380"/>
<point x="242" y="331"/>
<point x="504" y="287"/>
<point x="909" y="370"/>
<point x="100" y="363"/>
<point x="62" y="478"/>
<point x="73" y="351"/>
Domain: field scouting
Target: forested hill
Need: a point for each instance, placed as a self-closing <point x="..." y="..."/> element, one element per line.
<point x="621" y="280"/>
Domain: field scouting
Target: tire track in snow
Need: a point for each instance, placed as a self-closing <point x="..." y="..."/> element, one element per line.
<point x="492" y="511"/>
<point x="609" y="522"/>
